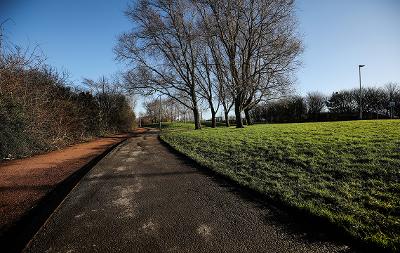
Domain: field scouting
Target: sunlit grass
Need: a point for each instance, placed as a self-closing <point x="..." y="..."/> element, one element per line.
<point x="346" y="172"/>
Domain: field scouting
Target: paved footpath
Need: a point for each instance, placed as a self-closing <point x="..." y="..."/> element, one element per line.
<point x="143" y="198"/>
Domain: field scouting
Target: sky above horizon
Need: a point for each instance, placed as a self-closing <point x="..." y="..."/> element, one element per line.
<point x="79" y="36"/>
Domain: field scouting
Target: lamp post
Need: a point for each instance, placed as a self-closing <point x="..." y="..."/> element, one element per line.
<point x="359" y="75"/>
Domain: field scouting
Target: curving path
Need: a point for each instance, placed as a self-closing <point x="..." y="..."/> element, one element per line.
<point x="144" y="198"/>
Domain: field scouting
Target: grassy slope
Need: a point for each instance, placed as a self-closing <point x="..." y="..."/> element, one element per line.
<point x="347" y="172"/>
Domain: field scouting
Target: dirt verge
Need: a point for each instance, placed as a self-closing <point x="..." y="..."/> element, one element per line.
<point x="31" y="188"/>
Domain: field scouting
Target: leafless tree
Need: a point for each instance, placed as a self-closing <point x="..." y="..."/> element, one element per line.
<point x="315" y="102"/>
<point x="392" y="90"/>
<point x="217" y="61"/>
<point x="208" y="86"/>
<point x="260" y="46"/>
<point x="393" y="95"/>
<point x="170" y="110"/>
<point x="164" y="50"/>
<point x="2" y="41"/>
<point x="107" y="92"/>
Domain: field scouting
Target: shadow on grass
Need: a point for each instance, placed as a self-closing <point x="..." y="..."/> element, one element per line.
<point x="294" y="221"/>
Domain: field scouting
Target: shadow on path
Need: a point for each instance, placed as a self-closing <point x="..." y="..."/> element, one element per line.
<point x="293" y="221"/>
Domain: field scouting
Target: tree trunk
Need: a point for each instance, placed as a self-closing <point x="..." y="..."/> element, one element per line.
<point x="196" y="114"/>
<point x="227" y="118"/>
<point x="238" y="112"/>
<point x="248" y="118"/>
<point x="213" y="119"/>
<point x="213" y="114"/>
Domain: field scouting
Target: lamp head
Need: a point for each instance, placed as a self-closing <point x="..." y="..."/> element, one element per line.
<point x="360" y="66"/>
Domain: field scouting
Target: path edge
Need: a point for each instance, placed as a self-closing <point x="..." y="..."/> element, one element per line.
<point x="18" y="234"/>
<point x="324" y="225"/>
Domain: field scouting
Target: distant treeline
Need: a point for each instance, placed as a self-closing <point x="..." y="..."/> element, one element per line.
<point x="377" y="103"/>
<point x="40" y="112"/>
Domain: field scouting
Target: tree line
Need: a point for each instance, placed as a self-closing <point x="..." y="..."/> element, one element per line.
<point x="41" y="110"/>
<point x="166" y="110"/>
<point x="377" y="102"/>
<point x="229" y="54"/>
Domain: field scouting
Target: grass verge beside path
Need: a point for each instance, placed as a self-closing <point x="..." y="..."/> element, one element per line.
<point x="345" y="172"/>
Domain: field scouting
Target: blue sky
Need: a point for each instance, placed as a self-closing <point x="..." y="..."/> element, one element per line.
<point x="78" y="36"/>
<point x="340" y="34"/>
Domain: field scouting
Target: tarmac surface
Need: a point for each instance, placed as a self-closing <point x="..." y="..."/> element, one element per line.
<point x="23" y="182"/>
<point x="142" y="197"/>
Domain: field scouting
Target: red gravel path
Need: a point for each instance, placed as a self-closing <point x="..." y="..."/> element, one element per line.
<point x="23" y="182"/>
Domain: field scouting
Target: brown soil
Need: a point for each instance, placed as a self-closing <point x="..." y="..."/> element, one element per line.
<point x="24" y="182"/>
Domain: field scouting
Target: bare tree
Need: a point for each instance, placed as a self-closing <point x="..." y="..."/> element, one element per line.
<point x="170" y="110"/>
<point x="208" y="86"/>
<point x="164" y="50"/>
<point x="315" y="102"/>
<point x="393" y="94"/>
<point x="217" y="62"/>
<point x="2" y="25"/>
<point x="259" y="44"/>
<point x="108" y="93"/>
<point x="392" y="90"/>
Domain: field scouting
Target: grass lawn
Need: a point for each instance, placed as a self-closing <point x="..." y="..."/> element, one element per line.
<point x="346" y="172"/>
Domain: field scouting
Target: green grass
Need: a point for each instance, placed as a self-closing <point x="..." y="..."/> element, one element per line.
<point x="345" y="172"/>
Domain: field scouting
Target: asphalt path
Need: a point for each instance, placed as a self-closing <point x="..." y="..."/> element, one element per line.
<point x="144" y="198"/>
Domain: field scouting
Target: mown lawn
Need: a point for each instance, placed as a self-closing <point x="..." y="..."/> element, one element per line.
<point x="346" y="172"/>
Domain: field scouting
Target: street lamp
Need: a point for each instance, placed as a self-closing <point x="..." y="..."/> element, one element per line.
<point x="359" y="75"/>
